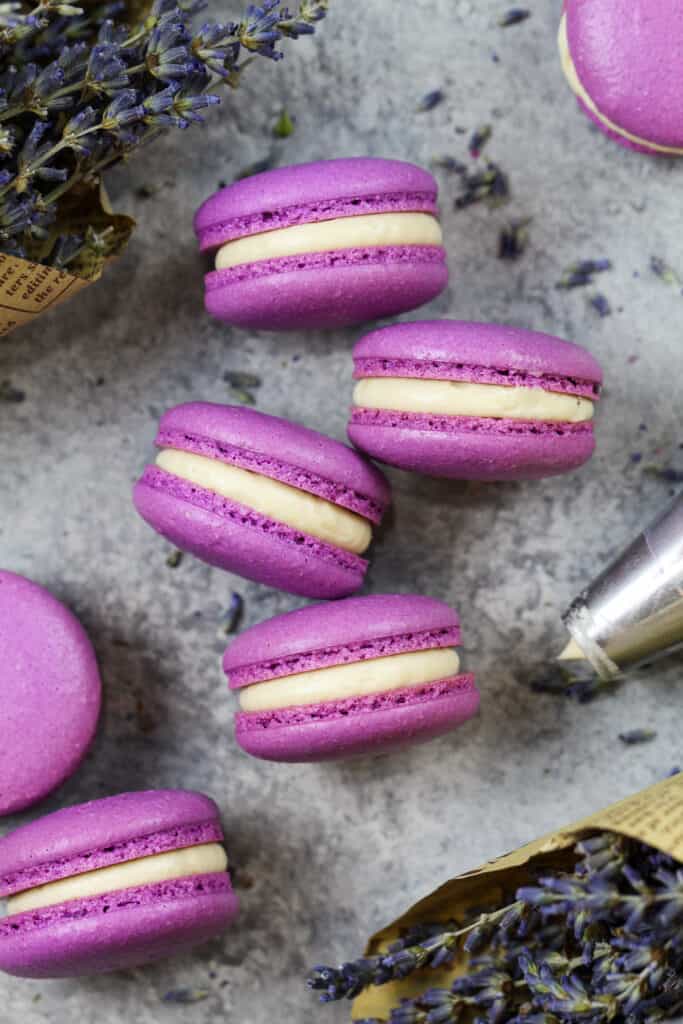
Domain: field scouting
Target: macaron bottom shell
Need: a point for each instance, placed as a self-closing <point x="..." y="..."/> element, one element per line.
<point x="465" y="448"/>
<point x="117" y="931"/>
<point x="237" y="539"/>
<point x="360" y="725"/>
<point x="326" y="290"/>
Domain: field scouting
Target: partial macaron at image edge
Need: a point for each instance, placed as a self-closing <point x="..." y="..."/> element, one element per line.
<point x="112" y="884"/>
<point x="619" y="66"/>
<point x="51" y="693"/>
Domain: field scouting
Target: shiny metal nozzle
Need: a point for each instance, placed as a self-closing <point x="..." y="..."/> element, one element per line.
<point x="633" y="612"/>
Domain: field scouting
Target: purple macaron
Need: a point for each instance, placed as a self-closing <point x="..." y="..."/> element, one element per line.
<point x="113" y="884"/>
<point x="473" y="401"/>
<point x="51" y="693"/>
<point x="264" y="498"/>
<point x="324" y="244"/>
<point x="359" y="676"/>
<point x="622" y="59"/>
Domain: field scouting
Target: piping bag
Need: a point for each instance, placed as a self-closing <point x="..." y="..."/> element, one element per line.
<point x="633" y="612"/>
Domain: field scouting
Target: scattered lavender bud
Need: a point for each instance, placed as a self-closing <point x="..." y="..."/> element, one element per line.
<point x="513" y="239"/>
<point x="174" y="559"/>
<point x="234" y="613"/>
<point x="634" y="736"/>
<point x="8" y="393"/>
<point x="145" y="191"/>
<point x="578" y="274"/>
<point x="577" y="681"/>
<point x="666" y="473"/>
<point x="258" y="167"/>
<point x="490" y="185"/>
<point x="284" y="126"/>
<point x="479" y="139"/>
<point x="664" y="271"/>
<point x="430" y="100"/>
<point x="241" y="384"/>
<point x="185" y="996"/>
<point x="514" y="16"/>
<point x="600" y="304"/>
<point x="448" y="163"/>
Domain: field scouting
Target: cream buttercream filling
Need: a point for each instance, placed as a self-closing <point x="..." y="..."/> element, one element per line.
<point x="579" y="90"/>
<point x="207" y="859"/>
<point x="367" y="231"/>
<point x="288" y="505"/>
<point x="462" y="398"/>
<point x="359" y="679"/>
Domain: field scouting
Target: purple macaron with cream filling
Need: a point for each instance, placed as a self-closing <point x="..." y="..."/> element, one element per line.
<point x="50" y="689"/>
<point x="622" y="59"/>
<point x="359" y="676"/>
<point x="113" y="884"/>
<point x="473" y="401"/>
<point x="324" y="244"/>
<point x="264" y="498"/>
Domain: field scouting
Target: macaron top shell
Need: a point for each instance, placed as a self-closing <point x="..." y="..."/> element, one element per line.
<point x="277" y="448"/>
<point x="347" y="628"/>
<point x="471" y="344"/>
<point x="104" y="832"/>
<point x="304" y="193"/>
<point x="51" y="692"/>
<point x="628" y="56"/>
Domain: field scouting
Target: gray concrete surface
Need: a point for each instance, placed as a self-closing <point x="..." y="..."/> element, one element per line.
<point x="324" y="854"/>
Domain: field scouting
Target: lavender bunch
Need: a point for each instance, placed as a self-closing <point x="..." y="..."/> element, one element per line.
<point x="602" y="944"/>
<point x="82" y="87"/>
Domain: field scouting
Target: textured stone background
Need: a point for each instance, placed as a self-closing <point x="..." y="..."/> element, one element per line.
<point x="325" y="854"/>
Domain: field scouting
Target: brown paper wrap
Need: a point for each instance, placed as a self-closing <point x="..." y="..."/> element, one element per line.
<point x="654" y="816"/>
<point x="29" y="288"/>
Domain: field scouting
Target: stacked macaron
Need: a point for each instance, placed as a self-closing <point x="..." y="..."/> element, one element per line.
<point x="263" y="497"/>
<point x="50" y="691"/>
<point x="473" y="401"/>
<point x="359" y="676"/>
<point x="622" y="59"/>
<point x="113" y="883"/>
<point x="323" y="244"/>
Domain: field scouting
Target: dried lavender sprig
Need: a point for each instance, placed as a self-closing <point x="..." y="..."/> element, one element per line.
<point x="600" y="944"/>
<point x="70" y="112"/>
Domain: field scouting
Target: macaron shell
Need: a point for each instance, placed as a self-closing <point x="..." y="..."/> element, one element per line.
<point x="480" y="344"/>
<point x="245" y="543"/>
<point x="46" y="849"/>
<point x="316" y="191"/>
<point x="628" y="55"/>
<point x="374" y="725"/>
<point x="283" y="442"/>
<point x="327" y="290"/>
<point x="117" y="931"/>
<point x="615" y="136"/>
<point x="488" y="453"/>
<point x="359" y="627"/>
<point x="51" y="693"/>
